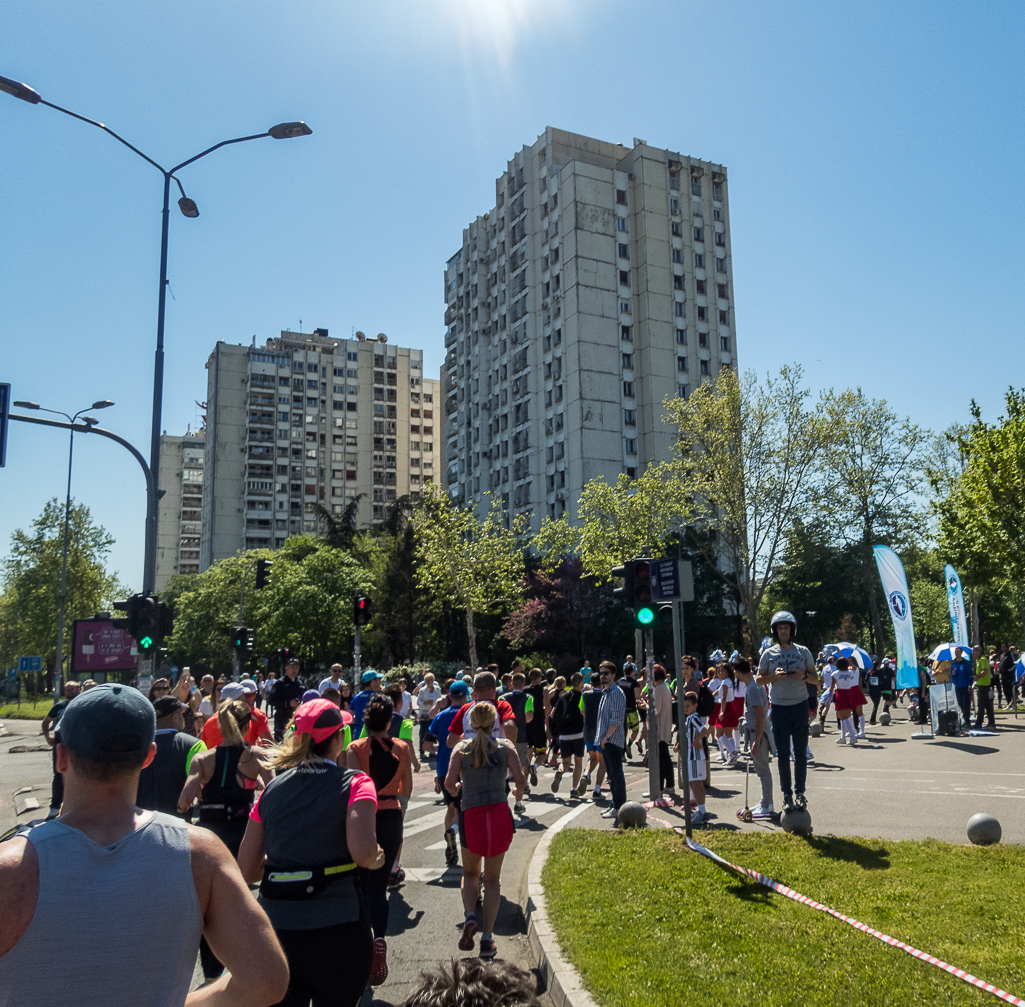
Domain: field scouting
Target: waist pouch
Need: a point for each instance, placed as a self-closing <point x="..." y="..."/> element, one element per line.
<point x="297" y="885"/>
<point x="223" y="812"/>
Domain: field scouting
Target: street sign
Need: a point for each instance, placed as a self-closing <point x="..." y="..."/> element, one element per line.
<point x="672" y="579"/>
<point x="30" y="664"/>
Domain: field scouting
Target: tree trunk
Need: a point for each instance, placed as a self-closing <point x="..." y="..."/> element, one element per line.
<point x="471" y="637"/>
<point x="973" y="600"/>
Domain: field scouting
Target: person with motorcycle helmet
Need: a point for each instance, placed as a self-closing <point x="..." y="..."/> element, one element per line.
<point x="786" y="668"/>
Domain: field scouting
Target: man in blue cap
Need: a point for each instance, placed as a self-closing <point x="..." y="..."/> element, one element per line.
<point x="143" y="880"/>
<point x="371" y="682"/>
<point x="437" y="738"/>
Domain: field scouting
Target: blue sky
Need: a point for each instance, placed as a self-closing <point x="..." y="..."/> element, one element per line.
<point x="873" y="154"/>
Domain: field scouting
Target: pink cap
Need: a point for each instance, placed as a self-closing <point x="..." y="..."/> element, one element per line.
<point x="320" y="718"/>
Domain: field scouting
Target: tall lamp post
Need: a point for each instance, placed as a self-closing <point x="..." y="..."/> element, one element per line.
<point x="282" y="131"/>
<point x="89" y="421"/>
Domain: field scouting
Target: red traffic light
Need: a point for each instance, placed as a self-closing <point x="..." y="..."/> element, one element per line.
<point x="642" y="581"/>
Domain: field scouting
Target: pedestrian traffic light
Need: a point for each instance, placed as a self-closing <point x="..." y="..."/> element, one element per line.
<point x="665" y="615"/>
<point x="147" y="623"/>
<point x="360" y="610"/>
<point x="263" y="568"/>
<point x="242" y="640"/>
<point x="644" y="611"/>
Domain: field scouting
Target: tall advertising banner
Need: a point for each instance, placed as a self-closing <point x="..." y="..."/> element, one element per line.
<point x="955" y="602"/>
<point x="895" y="586"/>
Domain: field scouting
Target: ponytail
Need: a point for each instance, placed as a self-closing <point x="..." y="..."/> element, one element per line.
<point x="233" y="719"/>
<point x="482" y="720"/>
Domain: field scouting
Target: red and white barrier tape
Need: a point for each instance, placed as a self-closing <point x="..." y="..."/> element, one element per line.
<point x="892" y="941"/>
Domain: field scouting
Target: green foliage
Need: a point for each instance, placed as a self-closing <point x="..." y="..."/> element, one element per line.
<point x="32" y="575"/>
<point x="658" y="925"/>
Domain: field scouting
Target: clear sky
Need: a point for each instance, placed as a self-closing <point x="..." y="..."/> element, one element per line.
<point x="874" y="155"/>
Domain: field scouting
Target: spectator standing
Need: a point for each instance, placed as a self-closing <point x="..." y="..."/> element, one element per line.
<point x="1005" y="669"/>
<point x="333" y="680"/>
<point x="161" y="782"/>
<point x="149" y="883"/>
<point x="52" y="721"/>
<point x="983" y="690"/>
<point x="285" y="696"/>
<point x="962" y="677"/>
<point x="663" y="700"/>
<point x="610" y="735"/>
<point x="756" y="717"/>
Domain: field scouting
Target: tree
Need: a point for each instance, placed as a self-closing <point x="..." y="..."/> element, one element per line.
<point x="340" y="531"/>
<point x="982" y="516"/>
<point x="32" y="576"/>
<point x="476" y="564"/>
<point x="875" y="463"/>
<point x="747" y="456"/>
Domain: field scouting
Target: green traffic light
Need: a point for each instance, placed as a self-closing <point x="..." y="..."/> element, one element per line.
<point x="645" y="616"/>
<point x="146" y="642"/>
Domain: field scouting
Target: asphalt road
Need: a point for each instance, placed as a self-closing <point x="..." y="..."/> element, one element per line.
<point x="889" y="786"/>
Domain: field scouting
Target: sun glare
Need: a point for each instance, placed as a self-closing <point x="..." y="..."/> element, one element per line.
<point x="498" y="26"/>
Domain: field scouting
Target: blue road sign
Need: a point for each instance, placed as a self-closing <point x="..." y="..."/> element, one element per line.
<point x="30" y="664"/>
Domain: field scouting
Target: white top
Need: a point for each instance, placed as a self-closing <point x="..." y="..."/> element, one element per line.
<point x="407" y="705"/>
<point x="206" y="707"/>
<point x="726" y="692"/>
<point x="426" y="698"/>
<point x="329" y="683"/>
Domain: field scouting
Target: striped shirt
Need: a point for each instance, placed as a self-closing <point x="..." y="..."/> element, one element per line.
<point x="612" y="711"/>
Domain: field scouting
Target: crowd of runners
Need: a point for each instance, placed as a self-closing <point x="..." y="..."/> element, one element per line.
<point x="168" y="809"/>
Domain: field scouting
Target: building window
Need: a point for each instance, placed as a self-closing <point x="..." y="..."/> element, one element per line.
<point x="677" y="229"/>
<point x="720" y="239"/>
<point x="695" y="186"/>
<point x="626" y="333"/>
<point x="724" y="344"/>
<point x="702" y="313"/>
<point x="352" y="356"/>
<point x="628" y="361"/>
<point x="677" y="281"/>
<point x="681" y="337"/>
<point x="703" y="340"/>
<point x="631" y="445"/>
<point x="724" y="317"/>
<point x="624" y="307"/>
<point x="681" y="364"/>
<point x="721" y="290"/>
<point x="681" y="309"/>
<point x="699" y="234"/>
<point x="681" y="392"/>
<point x="622" y="224"/>
<point x="699" y="260"/>
<point x="628" y="389"/>
<point x="621" y="197"/>
<point x="699" y="286"/>
<point x="624" y="250"/>
<point x="674" y="205"/>
<point x="677" y="255"/>
<point x="717" y="213"/>
<point x="704" y="366"/>
<point x="624" y="277"/>
<point x="720" y="265"/>
<point x="629" y="417"/>
<point x="717" y="191"/>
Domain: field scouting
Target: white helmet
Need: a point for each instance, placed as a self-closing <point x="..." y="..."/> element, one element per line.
<point x="783" y="616"/>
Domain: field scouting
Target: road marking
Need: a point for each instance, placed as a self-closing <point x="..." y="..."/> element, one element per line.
<point x="416" y="805"/>
<point x="950" y="772"/>
<point x="435" y="846"/>
<point x="957" y="792"/>
<point x="430" y="873"/>
<point x="423" y="823"/>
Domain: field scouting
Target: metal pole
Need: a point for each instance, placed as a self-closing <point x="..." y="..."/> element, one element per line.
<point x="654" y="753"/>
<point x="58" y="664"/>
<point x="355" y="660"/>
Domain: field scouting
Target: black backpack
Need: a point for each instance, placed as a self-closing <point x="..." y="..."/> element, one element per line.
<point x="706" y="701"/>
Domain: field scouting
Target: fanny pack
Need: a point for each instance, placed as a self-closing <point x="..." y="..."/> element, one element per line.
<point x="223" y="812"/>
<point x="296" y="885"/>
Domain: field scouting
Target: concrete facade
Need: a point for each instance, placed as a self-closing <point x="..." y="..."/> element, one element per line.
<point x="307" y="420"/>
<point x="598" y="286"/>
<point x="179" y="511"/>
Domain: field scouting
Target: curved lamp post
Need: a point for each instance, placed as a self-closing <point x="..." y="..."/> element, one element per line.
<point x="89" y="421"/>
<point x="282" y="131"/>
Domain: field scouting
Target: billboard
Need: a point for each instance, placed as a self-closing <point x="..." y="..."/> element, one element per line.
<point x="100" y="646"/>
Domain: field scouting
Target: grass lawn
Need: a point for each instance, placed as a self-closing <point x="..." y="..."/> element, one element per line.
<point x="27" y="710"/>
<point x="646" y="921"/>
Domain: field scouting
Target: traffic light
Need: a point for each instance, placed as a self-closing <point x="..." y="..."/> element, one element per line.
<point x="283" y="655"/>
<point x="644" y="611"/>
<point x="165" y="621"/>
<point x="131" y="609"/>
<point x="263" y="568"/>
<point x="665" y="615"/>
<point x="147" y="622"/>
<point x="242" y="640"/>
<point x="625" y="593"/>
<point x="360" y="610"/>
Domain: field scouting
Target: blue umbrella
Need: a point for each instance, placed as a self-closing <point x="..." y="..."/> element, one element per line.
<point x="1019" y="669"/>
<point x="945" y="651"/>
<point x="861" y="657"/>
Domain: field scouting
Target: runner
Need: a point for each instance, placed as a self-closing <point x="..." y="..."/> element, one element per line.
<point x="388" y="762"/>
<point x="537" y="711"/>
<point x="52" y="720"/>
<point x="631" y="690"/>
<point x="478" y="772"/>
<point x="569" y="716"/>
<point x="149" y="883"/>
<point x="437" y="737"/>
<point x="371" y="682"/>
<point x="483" y="692"/>
<point x="161" y="782"/>
<point x="517" y="698"/>
<point x="258" y="732"/>
<point x="596" y="763"/>
<point x="785" y="668"/>
<point x="427" y="694"/>
<point x="308" y="832"/>
<point x="558" y="687"/>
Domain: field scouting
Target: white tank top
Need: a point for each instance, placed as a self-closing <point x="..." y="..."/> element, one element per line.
<point x="125" y="917"/>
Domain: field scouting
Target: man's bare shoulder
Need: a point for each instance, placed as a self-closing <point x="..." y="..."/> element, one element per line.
<point x="19" y="890"/>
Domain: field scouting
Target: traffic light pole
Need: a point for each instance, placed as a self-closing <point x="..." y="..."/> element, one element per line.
<point x="681" y="716"/>
<point x="654" y="752"/>
<point x="355" y="660"/>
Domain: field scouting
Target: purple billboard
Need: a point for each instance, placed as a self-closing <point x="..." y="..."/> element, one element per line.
<point x="100" y="646"/>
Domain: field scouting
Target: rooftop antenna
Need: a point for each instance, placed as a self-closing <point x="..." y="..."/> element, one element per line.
<point x="300" y="326"/>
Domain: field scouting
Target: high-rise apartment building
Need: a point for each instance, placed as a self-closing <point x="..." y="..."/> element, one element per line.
<point x="305" y="421"/>
<point x="179" y="510"/>
<point x="598" y="286"/>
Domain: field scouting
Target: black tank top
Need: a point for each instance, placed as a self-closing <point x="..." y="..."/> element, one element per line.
<point x="629" y="685"/>
<point x="223" y="787"/>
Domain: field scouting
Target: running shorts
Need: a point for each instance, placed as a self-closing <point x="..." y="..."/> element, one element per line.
<point x="571" y="746"/>
<point x="447" y="797"/>
<point x="487" y="831"/>
<point x="633" y="720"/>
<point x="592" y="747"/>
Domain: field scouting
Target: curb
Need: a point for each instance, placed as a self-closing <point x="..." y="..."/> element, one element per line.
<point x="562" y="981"/>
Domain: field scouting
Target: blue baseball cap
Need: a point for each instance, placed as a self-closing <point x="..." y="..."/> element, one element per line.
<point x="458" y="688"/>
<point x="368" y="676"/>
<point x="109" y="723"/>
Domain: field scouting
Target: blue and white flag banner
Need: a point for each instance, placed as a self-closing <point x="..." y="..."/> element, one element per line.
<point x="955" y="602"/>
<point x="895" y="586"/>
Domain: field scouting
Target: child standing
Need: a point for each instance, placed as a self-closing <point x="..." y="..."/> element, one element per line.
<point x="696" y="731"/>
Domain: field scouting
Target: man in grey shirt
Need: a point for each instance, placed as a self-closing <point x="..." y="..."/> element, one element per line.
<point x="785" y="668"/>
<point x="756" y="717"/>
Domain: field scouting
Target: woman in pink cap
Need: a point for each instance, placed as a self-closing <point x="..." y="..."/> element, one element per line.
<point x="310" y="829"/>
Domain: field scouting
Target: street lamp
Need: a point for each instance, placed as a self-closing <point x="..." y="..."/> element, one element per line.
<point x="89" y="421"/>
<point x="282" y="131"/>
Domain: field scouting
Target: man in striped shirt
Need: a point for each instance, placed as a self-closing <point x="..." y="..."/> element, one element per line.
<point x="610" y="736"/>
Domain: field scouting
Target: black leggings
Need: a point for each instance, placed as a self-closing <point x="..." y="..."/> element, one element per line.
<point x="230" y="833"/>
<point x="330" y="965"/>
<point x="375" y="883"/>
<point x="665" y="767"/>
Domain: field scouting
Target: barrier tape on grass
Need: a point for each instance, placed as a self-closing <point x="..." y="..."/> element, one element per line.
<point x="892" y="941"/>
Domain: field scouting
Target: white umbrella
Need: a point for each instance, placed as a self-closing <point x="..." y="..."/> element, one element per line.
<point x="945" y="651"/>
<point x="861" y="657"/>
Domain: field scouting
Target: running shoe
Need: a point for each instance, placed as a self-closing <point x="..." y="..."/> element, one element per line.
<point x="557" y="781"/>
<point x="581" y="789"/>
<point x="596" y="794"/>
<point x="451" y="853"/>
<point x="629" y="750"/>
<point x="488" y="949"/>
<point x="396" y="878"/>
<point x="801" y="802"/>
<point x="466" y="940"/>
<point x="861" y="734"/>
<point x="610" y="813"/>
<point x="585" y="780"/>
<point x="841" y="741"/>
<point x="533" y="774"/>
<point x="379" y="969"/>
<point x="788" y="803"/>
<point x="699" y="818"/>
<point x="763" y="811"/>
<point x="518" y="808"/>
